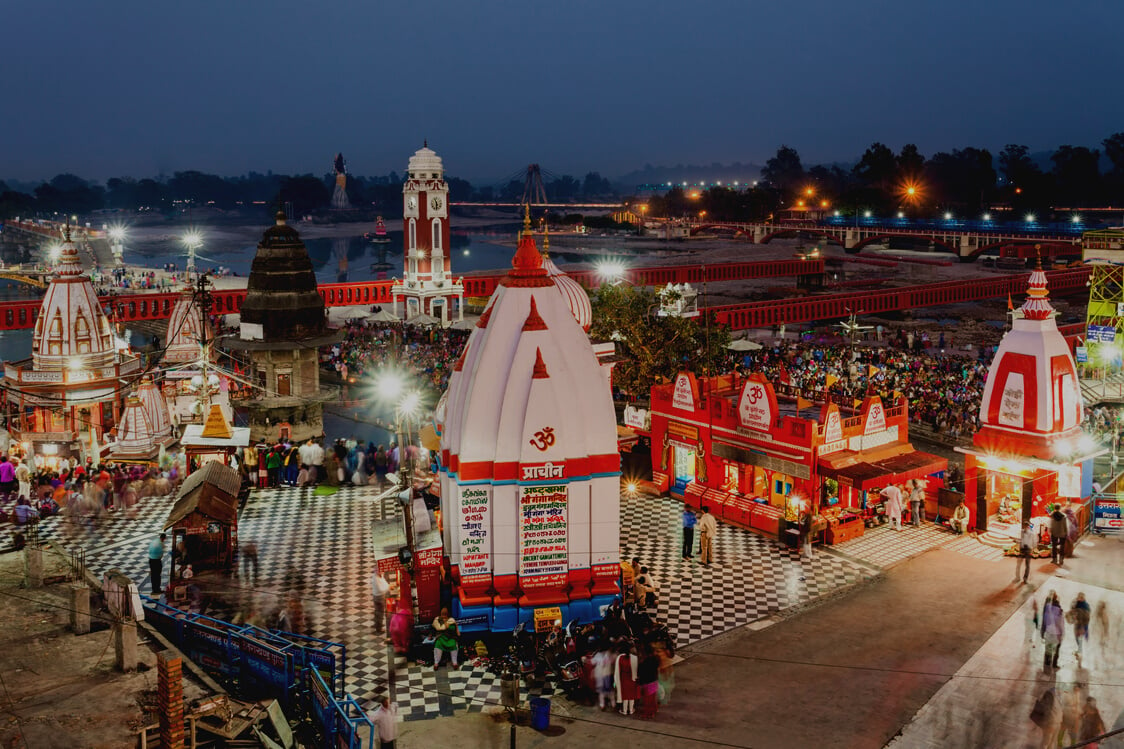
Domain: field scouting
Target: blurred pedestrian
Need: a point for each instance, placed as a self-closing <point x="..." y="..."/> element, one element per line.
<point x="385" y="718"/>
<point x="624" y="676"/>
<point x="1092" y="725"/>
<point x="1028" y="542"/>
<point x="379" y="588"/>
<point x="689" y="521"/>
<point x="1052" y="629"/>
<point x="1059" y="527"/>
<point x="1079" y="615"/>
<point x="156" y="564"/>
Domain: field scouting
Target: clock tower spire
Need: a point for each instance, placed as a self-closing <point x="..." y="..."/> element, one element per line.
<point x="427" y="286"/>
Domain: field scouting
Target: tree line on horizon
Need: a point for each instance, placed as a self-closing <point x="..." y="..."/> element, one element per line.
<point x="964" y="182"/>
<point x="306" y="193"/>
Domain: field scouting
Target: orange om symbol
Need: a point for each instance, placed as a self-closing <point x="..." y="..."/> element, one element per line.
<point x="543" y="439"/>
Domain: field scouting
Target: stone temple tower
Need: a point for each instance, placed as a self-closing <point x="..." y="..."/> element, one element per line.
<point x="283" y="324"/>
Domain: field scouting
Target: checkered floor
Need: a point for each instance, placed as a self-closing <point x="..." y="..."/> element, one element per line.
<point x="882" y="546"/>
<point x="750" y="576"/>
<point x="319" y="547"/>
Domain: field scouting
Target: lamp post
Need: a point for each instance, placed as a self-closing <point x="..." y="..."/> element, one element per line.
<point x="392" y="389"/>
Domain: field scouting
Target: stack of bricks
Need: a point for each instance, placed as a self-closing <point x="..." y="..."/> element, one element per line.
<point x="169" y="695"/>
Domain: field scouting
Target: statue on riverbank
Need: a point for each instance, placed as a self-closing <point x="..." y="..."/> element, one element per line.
<point x="339" y="195"/>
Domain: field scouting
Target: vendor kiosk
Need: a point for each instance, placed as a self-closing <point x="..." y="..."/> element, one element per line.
<point x="203" y="523"/>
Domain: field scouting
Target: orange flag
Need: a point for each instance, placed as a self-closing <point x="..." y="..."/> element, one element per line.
<point x="801" y="403"/>
<point x="1010" y="304"/>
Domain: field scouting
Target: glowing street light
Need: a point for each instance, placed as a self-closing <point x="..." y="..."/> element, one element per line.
<point x="53" y="252"/>
<point x="987" y="217"/>
<point x="193" y="240"/>
<point x="867" y="214"/>
<point x="1075" y="219"/>
<point x="1030" y="218"/>
<point x="390" y="385"/>
<point x="948" y="216"/>
<point x="117" y="233"/>
<point x="610" y="270"/>
<point x="901" y="215"/>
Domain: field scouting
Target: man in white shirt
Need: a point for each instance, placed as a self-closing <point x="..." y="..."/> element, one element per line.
<point x="379" y="589"/>
<point x="316" y="455"/>
<point x="893" y="497"/>
<point x="708" y="529"/>
<point x="385" y="718"/>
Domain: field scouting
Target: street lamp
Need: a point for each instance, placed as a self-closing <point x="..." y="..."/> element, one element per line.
<point x="392" y="389"/>
<point x="611" y="271"/>
<point x="193" y="240"/>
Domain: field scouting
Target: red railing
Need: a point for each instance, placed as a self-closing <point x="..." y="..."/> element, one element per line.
<point x="838" y="306"/>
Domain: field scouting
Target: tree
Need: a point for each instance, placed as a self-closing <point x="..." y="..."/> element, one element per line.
<point x="784" y="171"/>
<point x="1114" y="179"/>
<point x="594" y="185"/>
<point x="965" y="178"/>
<point x="1078" y="175"/>
<point x="652" y="348"/>
<point x="1018" y="168"/>
<point x="877" y="168"/>
<point x="911" y="164"/>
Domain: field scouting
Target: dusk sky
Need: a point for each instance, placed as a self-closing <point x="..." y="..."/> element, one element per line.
<point x="139" y="88"/>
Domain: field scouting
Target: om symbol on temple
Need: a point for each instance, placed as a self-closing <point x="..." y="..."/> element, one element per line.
<point x="543" y="439"/>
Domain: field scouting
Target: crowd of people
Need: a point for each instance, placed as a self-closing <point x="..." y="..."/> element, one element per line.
<point x="82" y="491"/>
<point x="429" y="353"/>
<point x="942" y="392"/>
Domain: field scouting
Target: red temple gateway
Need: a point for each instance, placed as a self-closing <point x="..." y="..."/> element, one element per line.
<point x="1030" y="451"/>
<point x="727" y="442"/>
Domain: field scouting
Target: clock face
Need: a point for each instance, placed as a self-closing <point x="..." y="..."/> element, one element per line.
<point x="411" y="202"/>
<point x="436" y="203"/>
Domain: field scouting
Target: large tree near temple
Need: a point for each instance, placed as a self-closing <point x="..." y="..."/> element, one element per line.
<point x="652" y="348"/>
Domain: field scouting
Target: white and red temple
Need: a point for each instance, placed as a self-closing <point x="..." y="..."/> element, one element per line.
<point x="531" y="474"/>
<point x="427" y="286"/>
<point x="1029" y="451"/>
<point x="64" y="399"/>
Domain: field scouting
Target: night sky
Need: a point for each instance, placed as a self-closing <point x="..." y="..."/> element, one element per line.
<point x="140" y="88"/>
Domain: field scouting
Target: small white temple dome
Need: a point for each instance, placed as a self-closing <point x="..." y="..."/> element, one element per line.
<point x="72" y="331"/>
<point x="425" y="164"/>
<point x="1031" y="402"/>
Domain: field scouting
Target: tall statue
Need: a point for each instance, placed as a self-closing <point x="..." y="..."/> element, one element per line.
<point x="339" y="195"/>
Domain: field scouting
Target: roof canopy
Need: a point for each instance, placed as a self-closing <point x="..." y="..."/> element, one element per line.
<point x="212" y="491"/>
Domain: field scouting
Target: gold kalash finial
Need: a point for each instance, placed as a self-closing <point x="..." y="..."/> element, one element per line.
<point x="526" y="218"/>
<point x="545" y="237"/>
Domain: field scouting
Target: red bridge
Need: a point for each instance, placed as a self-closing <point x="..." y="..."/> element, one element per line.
<point x="838" y="306"/>
<point x="156" y="306"/>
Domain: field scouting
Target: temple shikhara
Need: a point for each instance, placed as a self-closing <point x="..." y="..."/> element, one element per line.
<point x="427" y="286"/>
<point x="66" y="398"/>
<point x="282" y="326"/>
<point x="530" y="483"/>
<point x="1029" y="451"/>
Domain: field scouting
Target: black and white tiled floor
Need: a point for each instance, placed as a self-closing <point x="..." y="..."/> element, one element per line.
<point x="320" y="547"/>
<point x="883" y="546"/>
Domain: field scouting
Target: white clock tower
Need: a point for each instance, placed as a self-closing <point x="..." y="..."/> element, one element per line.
<point x="427" y="285"/>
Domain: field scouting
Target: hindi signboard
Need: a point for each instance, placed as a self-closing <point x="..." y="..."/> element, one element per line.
<point x="1108" y="514"/>
<point x="543" y="531"/>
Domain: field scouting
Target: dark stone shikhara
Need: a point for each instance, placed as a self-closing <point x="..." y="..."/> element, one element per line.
<point x="281" y="293"/>
<point x="281" y="297"/>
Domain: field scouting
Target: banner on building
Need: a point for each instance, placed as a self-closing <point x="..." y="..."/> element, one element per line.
<point x="475" y="543"/>
<point x="543" y="531"/>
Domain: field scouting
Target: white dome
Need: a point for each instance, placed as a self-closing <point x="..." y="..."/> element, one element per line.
<point x="572" y="292"/>
<point x="425" y="164"/>
<point x="155" y="408"/>
<point x="137" y="434"/>
<point x="185" y="329"/>
<point x="528" y="404"/>
<point x="72" y="329"/>
<point x="1031" y="401"/>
